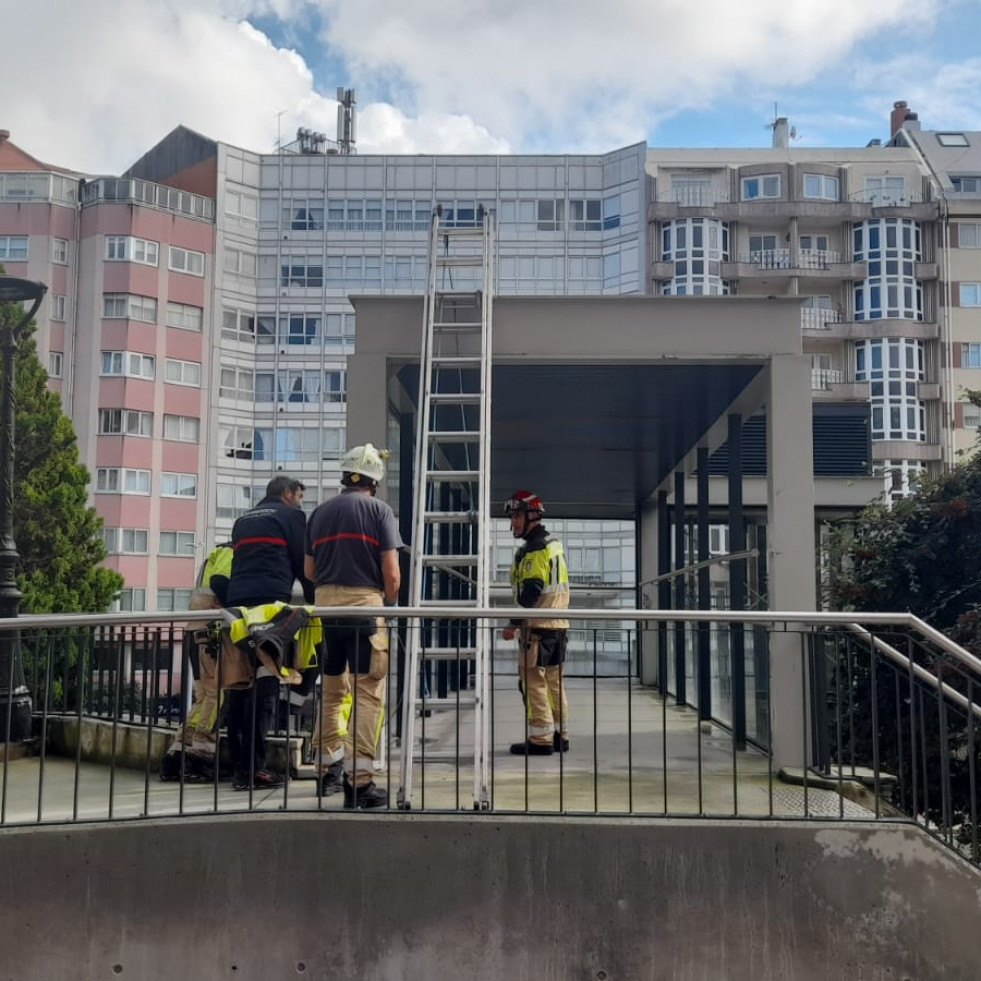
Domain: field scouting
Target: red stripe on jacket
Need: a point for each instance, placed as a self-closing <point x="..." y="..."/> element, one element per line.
<point x="347" y="534"/>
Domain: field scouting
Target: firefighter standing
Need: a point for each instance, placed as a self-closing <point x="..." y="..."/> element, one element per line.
<point x="352" y="556"/>
<point x="539" y="579"/>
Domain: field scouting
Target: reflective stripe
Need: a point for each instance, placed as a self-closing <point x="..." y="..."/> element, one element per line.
<point x="541" y="730"/>
<point x="260" y="540"/>
<point x="327" y="759"/>
<point x="347" y="534"/>
<point x="361" y="763"/>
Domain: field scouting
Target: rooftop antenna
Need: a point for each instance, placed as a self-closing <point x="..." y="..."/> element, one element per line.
<point x="346" y="122"/>
<point x="279" y="129"/>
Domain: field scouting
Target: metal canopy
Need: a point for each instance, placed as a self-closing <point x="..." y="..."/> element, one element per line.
<point x="594" y="440"/>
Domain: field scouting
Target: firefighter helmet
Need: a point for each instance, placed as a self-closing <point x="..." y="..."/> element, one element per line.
<point x="523" y="501"/>
<point x="365" y="460"/>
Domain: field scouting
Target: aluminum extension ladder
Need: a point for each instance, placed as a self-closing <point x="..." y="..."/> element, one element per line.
<point x="451" y="480"/>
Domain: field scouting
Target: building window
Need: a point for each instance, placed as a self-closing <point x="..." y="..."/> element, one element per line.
<point x="240" y="263"/>
<point x="952" y="139"/>
<point x="59" y="251"/>
<point x="697" y="247"/>
<point x="972" y="415"/>
<point x="186" y="261"/>
<point x="126" y="541"/>
<point x="891" y="248"/>
<point x="611" y="211"/>
<point x="304" y="215"/>
<point x="821" y="187"/>
<point x="301" y="328"/>
<point x="239" y="205"/>
<point x="970" y="294"/>
<point x="119" y="480"/>
<point x="128" y="306"/>
<point x="56" y="361"/>
<point x="169" y="600"/>
<point x="178" y="485"/>
<point x="968" y="235"/>
<point x="238" y="325"/>
<point x="289" y="385"/>
<point x="550" y="215"/>
<point x="176" y="543"/>
<point x="355" y="272"/>
<point x="129" y="601"/>
<point x="302" y="270"/>
<point x="184" y="429"/>
<point x="894" y="369"/>
<point x="585" y="215"/>
<point x="58" y="306"/>
<point x="971" y="355"/>
<point x="182" y="372"/>
<point x="885" y="190"/>
<point x="234" y="500"/>
<point x="239" y="442"/>
<point x="125" y="422"/>
<point x="763" y="186"/>
<point x="335" y="386"/>
<point x="129" y="364"/>
<point x="13" y="247"/>
<point x="126" y="248"/>
<point x="899" y="477"/>
<point x="184" y="316"/>
<point x="966" y="183"/>
<point x="237" y="383"/>
<point x="340" y="329"/>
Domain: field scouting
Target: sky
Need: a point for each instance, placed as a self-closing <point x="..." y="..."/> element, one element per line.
<point x="92" y="86"/>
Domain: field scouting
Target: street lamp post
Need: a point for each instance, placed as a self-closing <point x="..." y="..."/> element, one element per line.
<point x="15" y="699"/>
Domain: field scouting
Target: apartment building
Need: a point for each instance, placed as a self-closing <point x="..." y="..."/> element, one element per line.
<point x="199" y="315"/>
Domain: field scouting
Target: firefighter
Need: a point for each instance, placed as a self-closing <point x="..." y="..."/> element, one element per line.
<point x="539" y="579"/>
<point x="352" y="557"/>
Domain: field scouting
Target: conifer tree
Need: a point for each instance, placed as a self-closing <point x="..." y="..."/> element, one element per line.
<point x="58" y="534"/>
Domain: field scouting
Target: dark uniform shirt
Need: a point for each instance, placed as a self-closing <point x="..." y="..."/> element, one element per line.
<point x="268" y="554"/>
<point x="346" y="537"/>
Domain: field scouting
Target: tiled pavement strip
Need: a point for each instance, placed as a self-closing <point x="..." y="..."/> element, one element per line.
<point x="610" y="775"/>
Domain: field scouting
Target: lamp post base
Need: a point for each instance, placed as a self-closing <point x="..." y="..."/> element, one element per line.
<point x="16" y="707"/>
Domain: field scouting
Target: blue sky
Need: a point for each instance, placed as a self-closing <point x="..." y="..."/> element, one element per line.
<point x="458" y="76"/>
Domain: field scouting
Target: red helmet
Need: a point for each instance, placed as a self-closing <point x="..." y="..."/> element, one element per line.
<point x="523" y="501"/>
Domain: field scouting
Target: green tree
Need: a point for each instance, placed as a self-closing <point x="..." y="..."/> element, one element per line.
<point x="921" y="555"/>
<point x="57" y="533"/>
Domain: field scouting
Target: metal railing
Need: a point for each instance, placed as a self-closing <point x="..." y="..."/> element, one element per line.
<point x="888" y="724"/>
<point x="698" y="196"/>
<point x="816" y="318"/>
<point x="823" y="378"/>
<point x="888" y="198"/>
<point x="784" y="258"/>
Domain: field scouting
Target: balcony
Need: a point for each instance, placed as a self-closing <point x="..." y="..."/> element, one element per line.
<point x="823" y="378"/>
<point x="812" y="263"/>
<point x="812" y="318"/>
<point x="678" y="199"/>
<point x="831" y="385"/>
<point x="892" y="204"/>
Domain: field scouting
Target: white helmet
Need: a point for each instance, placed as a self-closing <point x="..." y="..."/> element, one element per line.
<point x="365" y="460"/>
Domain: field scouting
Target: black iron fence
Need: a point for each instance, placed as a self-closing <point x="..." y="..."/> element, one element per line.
<point x="873" y="718"/>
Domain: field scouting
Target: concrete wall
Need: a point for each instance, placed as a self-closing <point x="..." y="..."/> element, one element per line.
<point x="407" y="897"/>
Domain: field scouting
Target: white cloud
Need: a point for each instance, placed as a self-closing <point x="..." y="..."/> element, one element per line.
<point x="432" y="76"/>
<point x="597" y="73"/>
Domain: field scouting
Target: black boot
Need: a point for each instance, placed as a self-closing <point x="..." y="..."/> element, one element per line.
<point x="331" y="779"/>
<point x="364" y="798"/>
<point x="559" y="744"/>
<point x="528" y="748"/>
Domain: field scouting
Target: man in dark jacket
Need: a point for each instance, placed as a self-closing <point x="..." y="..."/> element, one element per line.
<point x="268" y="545"/>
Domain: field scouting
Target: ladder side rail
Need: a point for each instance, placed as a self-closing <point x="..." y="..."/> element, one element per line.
<point x="420" y="497"/>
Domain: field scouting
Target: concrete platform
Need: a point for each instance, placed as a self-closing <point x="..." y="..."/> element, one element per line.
<point x="632" y="752"/>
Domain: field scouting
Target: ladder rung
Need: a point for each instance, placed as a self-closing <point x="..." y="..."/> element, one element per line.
<point x="436" y="704"/>
<point x="456" y="359"/>
<point x="452" y="476"/>
<point x="449" y="559"/>
<point x="475" y="228"/>
<point x="449" y="436"/>
<point x="448" y="602"/>
<point x="457" y="327"/>
<point x="450" y="517"/>
<point x="464" y="398"/>
<point x="459" y="260"/>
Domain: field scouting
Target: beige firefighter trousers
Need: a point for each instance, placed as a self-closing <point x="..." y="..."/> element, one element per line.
<point x="332" y="740"/>
<point x="544" y="692"/>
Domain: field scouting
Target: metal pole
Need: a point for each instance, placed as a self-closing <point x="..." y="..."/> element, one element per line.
<point x="15" y="698"/>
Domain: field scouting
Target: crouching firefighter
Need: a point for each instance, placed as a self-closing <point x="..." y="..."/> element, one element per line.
<point x="539" y="579"/>
<point x="352" y="557"/>
<point x="194" y="747"/>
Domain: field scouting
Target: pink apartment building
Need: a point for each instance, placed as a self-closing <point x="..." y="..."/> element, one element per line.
<point x="123" y="333"/>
